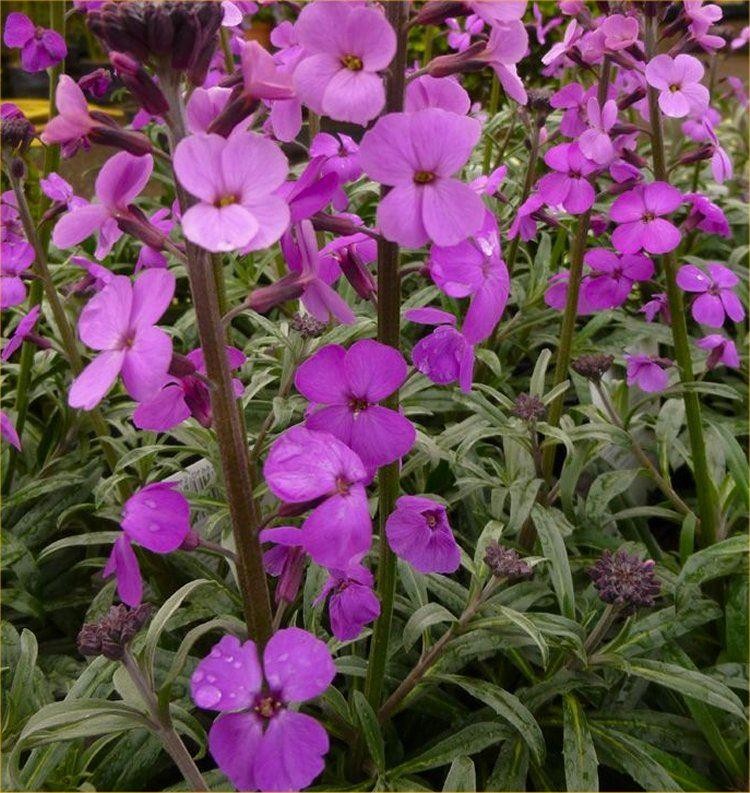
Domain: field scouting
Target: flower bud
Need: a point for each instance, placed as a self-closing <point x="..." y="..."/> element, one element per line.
<point x="592" y="367"/>
<point x="505" y="562"/>
<point x="138" y="225"/>
<point x="266" y="297"/>
<point x="336" y="224"/>
<point x="457" y="62"/>
<point x="17" y="133"/>
<point x="435" y="13"/>
<point x="236" y="110"/>
<point x="529" y="408"/>
<point x="181" y="366"/>
<point x="111" y="634"/>
<point x="307" y="326"/>
<point x="191" y="541"/>
<point x="140" y="83"/>
<point x="630" y="99"/>
<point x="625" y="580"/>
<point x="703" y="152"/>
<point x="356" y="273"/>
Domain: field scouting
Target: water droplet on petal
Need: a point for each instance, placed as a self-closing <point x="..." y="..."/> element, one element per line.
<point x="211" y="678"/>
<point x="198" y="676"/>
<point x="150" y="503"/>
<point x="154" y="527"/>
<point x="207" y="696"/>
<point x="237" y="665"/>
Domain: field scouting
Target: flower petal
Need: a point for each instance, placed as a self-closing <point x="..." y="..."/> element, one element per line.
<point x="228" y="678"/>
<point x="374" y="370"/>
<point x="297" y="665"/>
<point x="146" y="363"/>
<point x="91" y="386"/>
<point x="321" y="378"/>
<point x="234" y="740"/>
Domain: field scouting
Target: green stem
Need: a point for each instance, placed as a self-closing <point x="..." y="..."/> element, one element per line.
<point x="608" y="616"/>
<point x="227" y="50"/>
<point x="567" y="331"/>
<point x="240" y="476"/>
<point x="389" y="313"/>
<point x="706" y="493"/>
<point x="491" y="113"/>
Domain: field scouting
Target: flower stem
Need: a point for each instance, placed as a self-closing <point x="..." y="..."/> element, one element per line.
<point x="564" y="351"/>
<point x="491" y="113"/>
<point x="240" y="477"/>
<point x="163" y="726"/>
<point x="704" y="486"/>
<point x="599" y="630"/>
<point x="389" y="315"/>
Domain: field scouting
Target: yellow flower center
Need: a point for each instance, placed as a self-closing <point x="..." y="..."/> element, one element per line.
<point x="352" y="62"/>
<point x="424" y="177"/>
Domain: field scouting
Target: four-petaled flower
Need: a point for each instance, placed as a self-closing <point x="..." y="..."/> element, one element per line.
<point x="568" y="185"/>
<point x="678" y="82"/>
<point x="612" y="277"/>
<point x="40" y="48"/>
<point x="639" y="215"/>
<point x="716" y="299"/>
<point x="648" y="372"/>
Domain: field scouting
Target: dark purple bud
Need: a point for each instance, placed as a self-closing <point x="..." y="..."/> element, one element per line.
<point x="96" y="83"/>
<point x="633" y="158"/>
<point x="630" y="99"/>
<point x="592" y="367"/>
<point x="110" y="635"/>
<point x="17" y="132"/>
<point x="185" y="37"/>
<point x="356" y="273"/>
<point x="265" y="298"/>
<point x="140" y="83"/>
<point x="307" y="326"/>
<point x="623" y="128"/>
<point x="293" y="510"/>
<point x="191" y="541"/>
<point x="198" y="400"/>
<point x="335" y="224"/>
<point x="529" y="408"/>
<point x="290" y="578"/>
<point x="505" y="562"/>
<point x="138" y="225"/>
<point x="17" y="169"/>
<point x="703" y="152"/>
<point x="625" y="580"/>
<point x="181" y="366"/>
<point x="133" y="142"/>
<point x="457" y="62"/>
<point x="159" y="31"/>
<point x="235" y="111"/>
<point x="435" y="13"/>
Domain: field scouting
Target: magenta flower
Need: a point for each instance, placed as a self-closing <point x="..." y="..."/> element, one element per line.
<point x="572" y="99"/>
<point x="156" y="517"/>
<point x="717" y="299"/>
<point x="524" y="223"/>
<point x="262" y="78"/>
<point x="185" y="395"/>
<point x="286" y="560"/>
<point x="444" y="356"/>
<point x="540" y="28"/>
<point x="120" y="323"/>
<point x="40" y="48"/>
<point x="459" y="38"/>
<point x="312" y="191"/>
<point x="620" y="32"/>
<point x="234" y="179"/>
<point x="119" y="181"/>
<point x="638" y="214"/>
<point x="57" y="189"/>
<point x="344" y="388"/>
<point x="720" y="350"/>
<point x="152" y="257"/>
<point x="658" y="305"/>
<point x="567" y="185"/>
<point x="16" y="254"/>
<point x="595" y="142"/>
<point x="24" y="331"/>
<point x="426" y="203"/>
<point x="258" y="741"/>
<point x="96" y="83"/>
<point x="441" y="92"/>
<point x="678" y="82"/>
<point x="498" y="12"/>
<point x="304" y="466"/>
<point x="648" y="372"/>
<point x="204" y="105"/>
<point x="612" y="277"/>
<point x="706" y="216"/>
<point x="345" y="46"/>
<point x="556" y="295"/>
<point x="353" y="604"/>
<point x="474" y="268"/>
<point x="8" y="430"/>
<point x="418" y="531"/>
<point x="340" y="152"/>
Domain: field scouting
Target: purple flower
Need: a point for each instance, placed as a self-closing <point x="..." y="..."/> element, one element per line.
<point x="316" y="467"/>
<point x="151" y="257"/>
<point x="40" y="48"/>
<point x="613" y="277"/>
<point x="459" y="39"/>
<point x="717" y="299"/>
<point x="678" y="82"/>
<point x="119" y="181"/>
<point x="706" y="216"/>
<point x="595" y="143"/>
<point x="572" y="99"/>
<point x="185" y="395"/>
<point x="556" y="295"/>
<point x="17" y="254"/>
<point x="657" y="305"/>
<point x="620" y="32"/>
<point x="345" y="386"/>
<point x="442" y="92"/>
<point x="156" y="517"/>
<point x="639" y="215"/>
<point x="524" y="223"/>
<point x="120" y="323"/>
<point x="8" y="430"/>
<point x="262" y="77"/>
<point x="24" y="331"/>
<point x="262" y="744"/>
<point x="96" y="83"/>
<point x="508" y="43"/>
<point x="345" y="45"/>
<point x="312" y="191"/>
<point x="340" y="153"/>
<point x="444" y="355"/>
<point x="234" y="179"/>
<point x="720" y="350"/>
<point x="204" y="105"/>
<point x="474" y="268"/>
<point x="426" y="203"/>
<point x="353" y="604"/>
<point x="648" y="372"/>
<point x="568" y="185"/>
<point x="418" y="531"/>
<point x="741" y="41"/>
<point x="625" y="579"/>
<point x="286" y="560"/>
<point x="542" y="29"/>
<point x="498" y="12"/>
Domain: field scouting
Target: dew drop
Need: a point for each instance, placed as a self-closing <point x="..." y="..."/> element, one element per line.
<point x="207" y="696"/>
<point x="198" y="676"/>
<point x="150" y="503"/>
<point x="154" y="527"/>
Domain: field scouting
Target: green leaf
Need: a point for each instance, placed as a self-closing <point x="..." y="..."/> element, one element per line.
<point x="720" y="559"/>
<point x="511" y="767"/>
<point x="77" y="540"/>
<point x="684" y="681"/>
<point x="606" y="487"/>
<point x="370" y="730"/>
<point x="536" y="384"/>
<point x="461" y="775"/>
<point x="736" y="461"/>
<point x="554" y="549"/>
<point x="423" y="618"/>
<point x="159" y="623"/>
<point x="508" y="707"/>
<point x="465" y="742"/>
<point x="736" y="621"/>
<point x="521" y="621"/>
<point x="581" y="763"/>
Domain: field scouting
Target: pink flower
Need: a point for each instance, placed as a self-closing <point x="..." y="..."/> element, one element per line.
<point x="542" y="29"/>
<point x="445" y="355"/>
<point x="507" y="45"/>
<point x="304" y="466"/>
<point x="426" y="203"/>
<point x="185" y="395"/>
<point x="340" y="154"/>
<point x="119" y="181"/>
<point x="16" y="256"/>
<point x="678" y="81"/>
<point x="639" y="215"/>
<point x="442" y="92"/>
<point x="717" y="299"/>
<point x="234" y="179"/>
<point x="345" y="386"/>
<point x="657" y="305"/>
<point x="8" y="430"/>
<point x="345" y="46"/>
<point x="120" y="323"/>
<point x="353" y="604"/>
<point x="572" y="99"/>
<point x="40" y="48"/>
<point x="612" y="277"/>
<point x="418" y="531"/>
<point x="648" y="372"/>
<point x="474" y="268"/>
<point x="498" y="12"/>
<point x="459" y="39"/>
<point x="151" y="257"/>
<point x="557" y="51"/>
<point x="258" y="741"/>
<point x="204" y="105"/>
<point x="96" y="83"/>
<point x="157" y="517"/>
<point x="286" y="560"/>
<point x="567" y="185"/>
<point x="24" y="331"/>
<point x="595" y="142"/>
<point x="556" y="295"/>
<point x="620" y="32"/>
<point x="706" y="216"/>
<point x="524" y="223"/>
<point x="720" y="350"/>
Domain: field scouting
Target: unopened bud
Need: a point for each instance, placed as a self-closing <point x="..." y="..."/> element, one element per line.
<point x="457" y="62"/>
<point x="592" y="367"/>
<point x="181" y="366"/>
<point x="505" y="562"/>
<point x="139" y="226"/>
<point x="111" y="634"/>
<point x="307" y="326"/>
<point x="265" y="298"/>
<point x="356" y="273"/>
<point x="140" y="83"/>
<point x="703" y="152"/>
<point x="630" y="99"/>
<point x="435" y="13"/>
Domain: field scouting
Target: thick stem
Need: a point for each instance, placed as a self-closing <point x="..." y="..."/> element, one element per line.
<point x="706" y="493"/>
<point x="169" y="738"/>
<point x="570" y="315"/>
<point x="389" y="313"/>
<point x="239" y="476"/>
